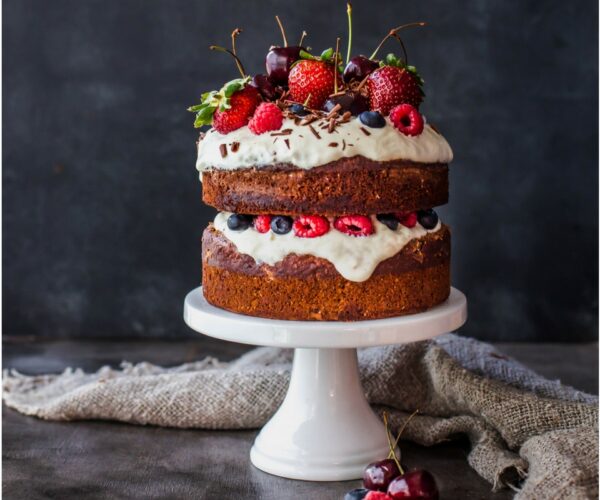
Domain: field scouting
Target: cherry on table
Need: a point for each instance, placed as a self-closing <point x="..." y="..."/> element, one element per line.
<point x="378" y="475"/>
<point x="416" y="484"/>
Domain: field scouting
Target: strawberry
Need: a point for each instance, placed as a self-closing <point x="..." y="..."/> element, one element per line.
<point x="314" y="78"/>
<point x="229" y="108"/>
<point x="389" y="86"/>
<point x="243" y="103"/>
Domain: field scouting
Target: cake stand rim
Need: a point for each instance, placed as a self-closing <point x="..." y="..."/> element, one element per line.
<point x="233" y="327"/>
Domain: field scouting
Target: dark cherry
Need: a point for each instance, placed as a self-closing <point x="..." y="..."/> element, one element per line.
<point x="427" y="218"/>
<point x="265" y="87"/>
<point x="299" y="110"/>
<point x="389" y="220"/>
<point x="281" y="224"/>
<point x="357" y="494"/>
<point x="358" y="67"/>
<point x="372" y="119"/>
<point x="278" y="62"/>
<point x="378" y="475"/>
<point x="414" y="484"/>
<point x="350" y="101"/>
<point x="239" y="222"/>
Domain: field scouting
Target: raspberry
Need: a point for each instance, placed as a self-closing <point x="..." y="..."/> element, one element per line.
<point x="407" y="119"/>
<point x="377" y="495"/>
<point x="262" y="223"/>
<point x="243" y="103"/>
<point x="354" y="225"/>
<point x="408" y="219"/>
<point x="266" y="117"/>
<point x="310" y="226"/>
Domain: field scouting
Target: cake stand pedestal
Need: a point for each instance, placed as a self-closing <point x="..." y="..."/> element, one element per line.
<point x="324" y="430"/>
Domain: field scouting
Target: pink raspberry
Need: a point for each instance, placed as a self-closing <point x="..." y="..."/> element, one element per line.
<point x="354" y="225"/>
<point x="310" y="226"/>
<point x="377" y="495"/>
<point x="408" y="219"/>
<point x="267" y="117"/>
<point x="262" y="223"/>
<point x="407" y="119"/>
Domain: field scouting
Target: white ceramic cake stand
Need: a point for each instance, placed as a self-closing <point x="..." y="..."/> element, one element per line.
<point x="324" y="430"/>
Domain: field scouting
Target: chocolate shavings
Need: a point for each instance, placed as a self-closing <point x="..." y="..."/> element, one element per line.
<point x="223" y="150"/>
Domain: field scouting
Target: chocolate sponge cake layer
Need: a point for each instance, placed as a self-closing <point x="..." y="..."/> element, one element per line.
<point x="304" y="287"/>
<point x="345" y="186"/>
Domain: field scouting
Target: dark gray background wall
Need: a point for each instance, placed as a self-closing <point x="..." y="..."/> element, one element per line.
<point x="101" y="208"/>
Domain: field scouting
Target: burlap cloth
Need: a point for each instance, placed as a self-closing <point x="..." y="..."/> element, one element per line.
<point x="534" y="435"/>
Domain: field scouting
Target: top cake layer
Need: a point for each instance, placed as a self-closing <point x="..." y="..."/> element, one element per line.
<point x="312" y="145"/>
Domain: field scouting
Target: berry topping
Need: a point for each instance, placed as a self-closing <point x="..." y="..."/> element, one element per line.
<point x="267" y="117"/>
<point x="262" y="223"/>
<point x="354" y="225"/>
<point x="389" y="220"/>
<point x="281" y="224"/>
<point x="358" y="67"/>
<point x="408" y="219"/>
<point x="280" y="59"/>
<point x="267" y="90"/>
<point x="391" y="85"/>
<point x="278" y="62"/>
<point x="428" y="218"/>
<point x="356" y="494"/>
<point x="378" y="475"/>
<point x="227" y="109"/>
<point x="310" y="226"/>
<point x="242" y="105"/>
<point x="377" y="495"/>
<point x="414" y="484"/>
<point x="239" y="222"/>
<point x="299" y="110"/>
<point x="407" y="119"/>
<point x="311" y="81"/>
<point x="372" y="119"/>
<point x="350" y="101"/>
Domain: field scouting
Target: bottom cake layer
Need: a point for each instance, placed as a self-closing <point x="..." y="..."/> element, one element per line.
<point x="308" y="288"/>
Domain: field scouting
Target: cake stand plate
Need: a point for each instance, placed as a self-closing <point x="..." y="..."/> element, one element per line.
<point x="324" y="430"/>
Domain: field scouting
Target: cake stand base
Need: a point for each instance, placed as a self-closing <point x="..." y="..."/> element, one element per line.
<point x="324" y="430"/>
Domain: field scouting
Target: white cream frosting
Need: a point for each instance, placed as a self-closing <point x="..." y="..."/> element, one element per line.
<point x="354" y="257"/>
<point x="304" y="150"/>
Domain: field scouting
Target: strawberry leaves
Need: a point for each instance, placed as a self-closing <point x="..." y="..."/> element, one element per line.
<point x="394" y="60"/>
<point x="213" y="100"/>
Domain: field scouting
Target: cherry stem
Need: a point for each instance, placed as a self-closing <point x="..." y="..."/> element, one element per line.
<point x="238" y="63"/>
<point x="349" y="13"/>
<point x="335" y="64"/>
<point x="392" y="453"/>
<point x="391" y="34"/>
<point x="305" y="104"/>
<point x="402" y="430"/>
<point x="282" y="31"/>
<point x="397" y="37"/>
<point x="304" y="33"/>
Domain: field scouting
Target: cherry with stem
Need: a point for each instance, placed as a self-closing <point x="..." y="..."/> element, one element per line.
<point x="392" y="33"/>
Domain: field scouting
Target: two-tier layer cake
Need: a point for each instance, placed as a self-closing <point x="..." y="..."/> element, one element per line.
<point x="325" y="176"/>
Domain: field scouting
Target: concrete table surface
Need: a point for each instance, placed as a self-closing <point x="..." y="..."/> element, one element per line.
<point x="108" y="460"/>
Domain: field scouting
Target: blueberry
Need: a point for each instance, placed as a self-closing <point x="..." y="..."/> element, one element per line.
<point x="299" y="110"/>
<point x="372" y="119"/>
<point x="281" y="224"/>
<point x="239" y="222"/>
<point x="357" y="494"/>
<point x="427" y="218"/>
<point x="389" y="220"/>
